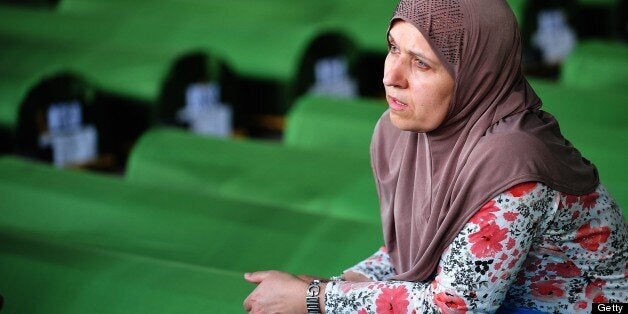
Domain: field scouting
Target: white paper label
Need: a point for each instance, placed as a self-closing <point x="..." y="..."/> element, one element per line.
<point x="215" y="121"/>
<point x="199" y="96"/>
<point x="204" y="112"/>
<point x="64" y="116"/>
<point x="554" y="37"/>
<point x="74" y="147"/>
<point x="332" y="78"/>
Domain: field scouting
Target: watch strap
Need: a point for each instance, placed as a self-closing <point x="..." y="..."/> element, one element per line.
<point x="311" y="297"/>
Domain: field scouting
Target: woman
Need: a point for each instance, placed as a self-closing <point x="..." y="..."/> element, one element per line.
<point x="484" y="204"/>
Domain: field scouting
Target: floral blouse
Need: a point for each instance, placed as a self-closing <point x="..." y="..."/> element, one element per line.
<point x="530" y="247"/>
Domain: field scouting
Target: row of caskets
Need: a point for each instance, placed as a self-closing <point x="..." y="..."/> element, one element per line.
<point x="84" y="79"/>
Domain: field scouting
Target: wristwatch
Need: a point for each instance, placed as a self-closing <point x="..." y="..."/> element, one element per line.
<point x="311" y="297"/>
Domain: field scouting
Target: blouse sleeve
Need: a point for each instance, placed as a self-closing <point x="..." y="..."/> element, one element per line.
<point x="376" y="268"/>
<point x="475" y="270"/>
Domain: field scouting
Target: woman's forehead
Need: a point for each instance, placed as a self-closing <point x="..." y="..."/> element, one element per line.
<point x="411" y="39"/>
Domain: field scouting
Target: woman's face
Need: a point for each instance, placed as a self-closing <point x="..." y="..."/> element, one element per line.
<point x="418" y="87"/>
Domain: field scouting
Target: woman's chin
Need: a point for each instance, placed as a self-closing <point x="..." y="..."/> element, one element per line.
<point x="404" y="123"/>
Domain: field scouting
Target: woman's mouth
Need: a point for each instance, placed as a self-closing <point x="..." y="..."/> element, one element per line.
<point x="395" y="104"/>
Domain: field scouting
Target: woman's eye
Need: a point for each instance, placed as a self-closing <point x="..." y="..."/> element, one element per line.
<point x="421" y="64"/>
<point x="392" y="48"/>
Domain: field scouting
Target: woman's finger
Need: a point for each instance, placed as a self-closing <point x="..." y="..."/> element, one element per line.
<point x="256" y="277"/>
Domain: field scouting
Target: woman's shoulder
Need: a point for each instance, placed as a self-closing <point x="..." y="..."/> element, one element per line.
<point x="521" y="133"/>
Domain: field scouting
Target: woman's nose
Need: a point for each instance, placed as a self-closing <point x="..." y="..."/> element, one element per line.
<point x="393" y="73"/>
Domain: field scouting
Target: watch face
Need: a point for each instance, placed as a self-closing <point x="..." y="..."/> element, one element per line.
<point x="314" y="289"/>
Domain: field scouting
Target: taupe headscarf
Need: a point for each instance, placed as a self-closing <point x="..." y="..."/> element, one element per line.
<point x="494" y="136"/>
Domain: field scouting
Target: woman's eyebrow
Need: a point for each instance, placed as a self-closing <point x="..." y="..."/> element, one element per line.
<point x="418" y="54"/>
<point x="414" y="53"/>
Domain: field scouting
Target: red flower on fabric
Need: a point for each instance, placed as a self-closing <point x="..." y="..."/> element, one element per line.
<point x="522" y="189"/>
<point x="392" y="300"/>
<point x="511" y="216"/>
<point x="581" y="305"/>
<point x="485" y="214"/>
<point x="548" y="289"/>
<point x="566" y="269"/>
<point x="487" y="241"/>
<point x="511" y="243"/>
<point x="570" y="200"/>
<point x="593" y="291"/>
<point x="590" y="238"/>
<point x="588" y="201"/>
<point x="450" y="303"/>
<point x="362" y="311"/>
<point x="498" y="265"/>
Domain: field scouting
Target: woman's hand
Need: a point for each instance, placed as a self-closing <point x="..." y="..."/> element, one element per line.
<point x="276" y="292"/>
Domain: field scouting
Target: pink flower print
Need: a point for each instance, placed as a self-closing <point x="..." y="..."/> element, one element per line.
<point x="450" y="303"/>
<point x="590" y="238"/>
<point x="392" y="300"/>
<point x="565" y="269"/>
<point x="522" y="189"/>
<point x="570" y="200"/>
<point x="511" y="216"/>
<point x="486" y="214"/>
<point x="548" y="289"/>
<point x="498" y="265"/>
<point x="511" y="243"/>
<point x="588" y="201"/>
<point x="581" y="305"/>
<point x="593" y="291"/>
<point x="487" y="241"/>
